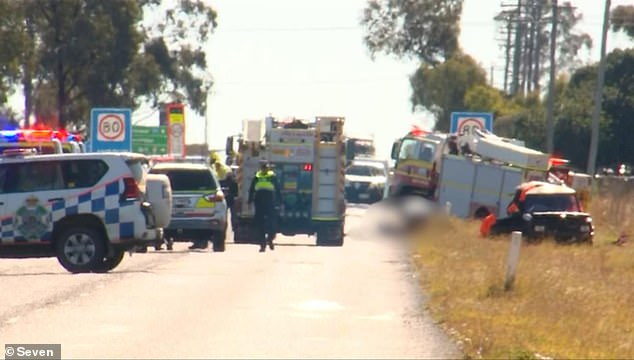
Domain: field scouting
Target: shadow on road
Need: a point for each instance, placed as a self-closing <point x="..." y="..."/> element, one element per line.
<point x="71" y="274"/>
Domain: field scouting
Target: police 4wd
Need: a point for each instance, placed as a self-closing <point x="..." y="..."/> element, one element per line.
<point x="86" y="209"/>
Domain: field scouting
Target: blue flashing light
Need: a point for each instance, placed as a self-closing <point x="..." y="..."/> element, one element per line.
<point x="9" y="136"/>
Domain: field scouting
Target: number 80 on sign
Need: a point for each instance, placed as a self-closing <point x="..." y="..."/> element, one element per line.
<point x="110" y="127"/>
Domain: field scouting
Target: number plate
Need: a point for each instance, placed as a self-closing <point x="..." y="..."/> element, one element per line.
<point x="364" y="196"/>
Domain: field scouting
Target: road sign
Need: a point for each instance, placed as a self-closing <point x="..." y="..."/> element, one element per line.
<point x="149" y="140"/>
<point x="466" y="122"/>
<point x="110" y="129"/>
<point x="176" y="129"/>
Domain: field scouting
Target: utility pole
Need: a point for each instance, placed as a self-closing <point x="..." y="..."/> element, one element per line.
<point x="550" y="109"/>
<point x="598" y="95"/>
<point x="517" y="56"/>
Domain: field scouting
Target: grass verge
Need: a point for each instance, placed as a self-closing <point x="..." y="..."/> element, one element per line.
<point x="572" y="301"/>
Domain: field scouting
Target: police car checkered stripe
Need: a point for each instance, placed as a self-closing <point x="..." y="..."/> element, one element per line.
<point x="103" y="201"/>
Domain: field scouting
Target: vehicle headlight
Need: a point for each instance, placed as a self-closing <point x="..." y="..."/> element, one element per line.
<point x="527" y="217"/>
<point x="588" y="219"/>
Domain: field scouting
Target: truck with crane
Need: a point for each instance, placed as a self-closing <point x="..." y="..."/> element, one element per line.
<point x="476" y="173"/>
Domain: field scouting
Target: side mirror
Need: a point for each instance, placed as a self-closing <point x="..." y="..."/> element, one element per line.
<point x="229" y="146"/>
<point x="395" y="150"/>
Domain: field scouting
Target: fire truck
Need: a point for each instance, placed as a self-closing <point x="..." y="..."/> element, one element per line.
<point x="475" y="173"/>
<point x="308" y="158"/>
<point x="482" y="178"/>
<point x="417" y="159"/>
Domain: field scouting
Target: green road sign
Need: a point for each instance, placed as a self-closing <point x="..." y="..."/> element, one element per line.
<point x="149" y="140"/>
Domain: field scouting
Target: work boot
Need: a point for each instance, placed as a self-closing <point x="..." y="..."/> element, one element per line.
<point x="271" y="246"/>
<point x="262" y="248"/>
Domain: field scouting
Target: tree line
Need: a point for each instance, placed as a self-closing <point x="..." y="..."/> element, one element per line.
<point x="67" y="56"/>
<point x="449" y="80"/>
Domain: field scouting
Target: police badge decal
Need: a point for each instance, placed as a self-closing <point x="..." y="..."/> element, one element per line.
<point x="32" y="220"/>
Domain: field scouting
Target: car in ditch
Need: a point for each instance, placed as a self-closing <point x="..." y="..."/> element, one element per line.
<point x="541" y="210"/>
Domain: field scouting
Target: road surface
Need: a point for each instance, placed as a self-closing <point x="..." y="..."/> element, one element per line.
<point x="299" y="301"/>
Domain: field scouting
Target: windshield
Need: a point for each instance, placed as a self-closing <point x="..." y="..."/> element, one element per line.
<point x="554" y="202"/>
<point x="360" y="170"/>
<point x="414" y="149"/>
<point x="189" y="179"/>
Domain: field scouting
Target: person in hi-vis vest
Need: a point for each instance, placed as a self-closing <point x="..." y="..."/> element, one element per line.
<point x="266" y="194"/>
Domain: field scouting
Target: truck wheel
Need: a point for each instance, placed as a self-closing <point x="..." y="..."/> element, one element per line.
<point x="218" y="241"/>
<point x="110" y="262"/>
<point x="330" y="235"/>
<point x="80" y="249"/>
<point x="239" y="236"/>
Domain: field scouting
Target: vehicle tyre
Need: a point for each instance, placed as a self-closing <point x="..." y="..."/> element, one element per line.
<point x="330" y="235"/>
<point x="80" y="249"/>
<point x="218" y="241"/>
<point x="169" y="243"/>
<point x="110" y="262"/>
<point x="243" y="235"/>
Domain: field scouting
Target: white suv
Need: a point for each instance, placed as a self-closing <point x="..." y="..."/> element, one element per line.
<point x="87" y="209"/>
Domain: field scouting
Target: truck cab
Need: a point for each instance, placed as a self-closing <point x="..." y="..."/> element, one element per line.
<point x="417" y="162"/>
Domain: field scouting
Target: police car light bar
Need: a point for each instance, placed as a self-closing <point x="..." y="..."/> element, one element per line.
<point x="19" y="152"/>
<point x="37" y="135"/>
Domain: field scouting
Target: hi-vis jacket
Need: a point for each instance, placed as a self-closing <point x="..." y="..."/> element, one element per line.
<point x="265" y="181"/>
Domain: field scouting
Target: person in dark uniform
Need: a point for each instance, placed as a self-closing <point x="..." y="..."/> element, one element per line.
<point x="266" y="194"/>
<point x="230" y="186"/>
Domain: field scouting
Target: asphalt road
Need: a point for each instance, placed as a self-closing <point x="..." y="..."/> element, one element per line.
<point x="299" y="301"/>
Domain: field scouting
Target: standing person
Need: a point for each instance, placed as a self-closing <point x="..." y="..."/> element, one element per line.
<point x="231" y="192"/>
<point x="265" y="193"/>
<point x="221" y="170"/>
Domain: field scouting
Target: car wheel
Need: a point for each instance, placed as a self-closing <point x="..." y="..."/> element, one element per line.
<point x="80" y="249"/>
<point x="218" y="241"/>
<point x="110" y="262"/>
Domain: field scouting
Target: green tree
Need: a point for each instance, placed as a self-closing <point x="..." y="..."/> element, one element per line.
<point x="616" y="126"/>
<point x="424" y="29"/>
<point x="623" y="19"/>
<point x="442" y="89"/>
<point x="103" y="53"/>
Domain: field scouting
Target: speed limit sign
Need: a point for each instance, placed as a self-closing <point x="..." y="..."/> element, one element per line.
<point x="111" y="129"/>
<point x="466" y="123"/>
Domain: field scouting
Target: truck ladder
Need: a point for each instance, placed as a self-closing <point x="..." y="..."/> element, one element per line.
<point x="328" y="172"/>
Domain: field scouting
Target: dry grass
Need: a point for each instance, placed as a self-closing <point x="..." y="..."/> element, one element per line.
<point x="574" y="301"/>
